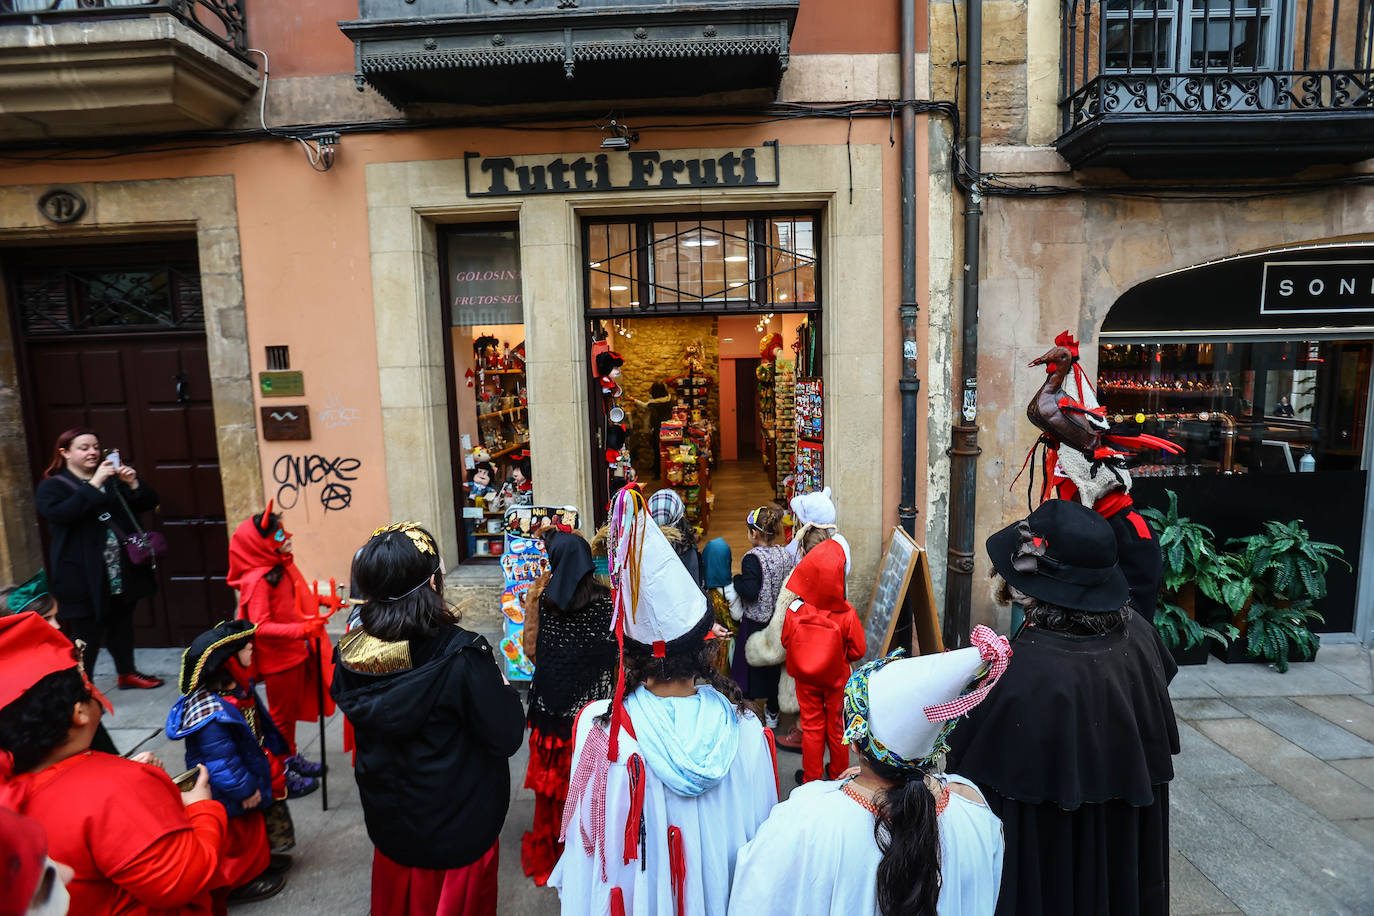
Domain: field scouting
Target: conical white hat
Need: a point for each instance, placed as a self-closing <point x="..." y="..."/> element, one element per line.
<point x="900" y="691"/>
<point x="664" y="604"/>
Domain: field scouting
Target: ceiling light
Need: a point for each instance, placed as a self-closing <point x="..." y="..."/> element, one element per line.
<point x="709" y="243"/>
<point x="691" y="243"/>
<point x="737" y="284"/>
<point x="728" y="339"/>
<point x="634" y="302"/>
<point x="615" y="288"/>
<point x="735" y="258"/>
<point x="596" y="264"/>
<point x="782" y="297"/>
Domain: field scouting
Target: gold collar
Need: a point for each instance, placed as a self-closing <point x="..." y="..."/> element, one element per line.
<point x="367" y="654"/>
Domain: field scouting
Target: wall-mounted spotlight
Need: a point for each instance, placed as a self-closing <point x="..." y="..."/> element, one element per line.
<point x="617" y="136"/>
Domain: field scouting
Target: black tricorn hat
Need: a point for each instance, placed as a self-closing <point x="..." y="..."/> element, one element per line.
<point x="211" y="649"/>
<point x="1064" y="554"/>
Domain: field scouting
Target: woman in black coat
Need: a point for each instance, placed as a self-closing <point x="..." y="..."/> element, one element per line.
<point x="95" y="585"/>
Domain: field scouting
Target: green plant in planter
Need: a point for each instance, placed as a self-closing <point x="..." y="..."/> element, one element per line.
<point x="1286" y="570"/>
<point x="1191" y="564"/>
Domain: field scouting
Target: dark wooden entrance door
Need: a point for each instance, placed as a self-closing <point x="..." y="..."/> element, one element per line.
<point x="130" y="362"/>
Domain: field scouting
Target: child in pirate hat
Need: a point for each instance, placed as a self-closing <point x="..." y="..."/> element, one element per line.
<point x="674" y="773"/>
<point x="227" y="728"/>
<point x="901" y="836"/>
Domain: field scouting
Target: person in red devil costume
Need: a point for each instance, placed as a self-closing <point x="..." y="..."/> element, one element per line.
<point x="290" y="639"/>
<point x="1084" y="460"/>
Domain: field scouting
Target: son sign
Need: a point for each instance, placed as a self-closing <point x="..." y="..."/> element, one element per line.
<point x="1297" y="287"/>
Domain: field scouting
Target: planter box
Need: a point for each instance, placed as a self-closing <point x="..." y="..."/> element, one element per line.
<point x="1194" y="656"/>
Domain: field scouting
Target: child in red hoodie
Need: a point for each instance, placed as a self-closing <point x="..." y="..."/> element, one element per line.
<point x="822" y="635"/>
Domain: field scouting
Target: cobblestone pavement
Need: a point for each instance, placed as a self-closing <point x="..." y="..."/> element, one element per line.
<point x="1272" y="804"/>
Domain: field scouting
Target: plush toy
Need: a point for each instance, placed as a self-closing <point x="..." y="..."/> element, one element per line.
<point x="481" y="480"/>
<point x="608" y="363"/>
<point x="770" y="346"/>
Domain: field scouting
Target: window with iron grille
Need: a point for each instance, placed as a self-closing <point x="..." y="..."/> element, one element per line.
<point x="665" y="265"/>
<point x="107" y="289"/>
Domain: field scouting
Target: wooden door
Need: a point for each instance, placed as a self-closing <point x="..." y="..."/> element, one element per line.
<point x="144" y="386"/>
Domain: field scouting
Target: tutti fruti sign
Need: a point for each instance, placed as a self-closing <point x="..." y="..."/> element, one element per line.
<point x="635" y="170"/>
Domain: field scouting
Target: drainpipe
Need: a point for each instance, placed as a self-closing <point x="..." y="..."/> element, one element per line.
<point x="964" y="448"/>
<point x="909" y="385"/>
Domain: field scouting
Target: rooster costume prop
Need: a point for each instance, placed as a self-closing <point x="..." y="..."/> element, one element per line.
<point x="1084" y="459"/>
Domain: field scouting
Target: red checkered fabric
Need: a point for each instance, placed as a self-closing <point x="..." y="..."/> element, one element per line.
<point x="996" y="651"/>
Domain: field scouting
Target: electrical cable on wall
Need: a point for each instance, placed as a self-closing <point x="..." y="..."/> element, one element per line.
<point x="319" y="147"/>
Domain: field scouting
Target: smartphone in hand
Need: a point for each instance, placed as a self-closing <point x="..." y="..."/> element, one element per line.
<point x="113" y="457"/>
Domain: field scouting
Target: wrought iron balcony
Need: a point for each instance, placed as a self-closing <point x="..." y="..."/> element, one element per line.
<point x="219" y="20"/>
<point x="486" y="52"/>
<point x="1219" y="86"/>
<point x="73" y="68"/>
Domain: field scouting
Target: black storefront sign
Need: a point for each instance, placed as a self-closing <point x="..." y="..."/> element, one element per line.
<point x="1317" y="287"/>
<point x="636" y="170"/>
<point x="1308" y="288"/>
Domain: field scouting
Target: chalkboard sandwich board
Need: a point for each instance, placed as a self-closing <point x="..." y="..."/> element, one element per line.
<point x="902" y="561"/>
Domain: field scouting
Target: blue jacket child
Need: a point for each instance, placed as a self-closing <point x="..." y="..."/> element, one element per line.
<point x="210" y="718"/>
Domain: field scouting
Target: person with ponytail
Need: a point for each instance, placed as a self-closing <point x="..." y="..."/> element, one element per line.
<point x="899" y="837"/>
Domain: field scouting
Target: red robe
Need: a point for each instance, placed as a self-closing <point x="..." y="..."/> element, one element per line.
<point x="280" y="612"/>
<point x="121" y="827"/>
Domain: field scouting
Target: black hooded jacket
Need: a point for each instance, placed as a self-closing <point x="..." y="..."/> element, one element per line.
<point x="433" y="735"/>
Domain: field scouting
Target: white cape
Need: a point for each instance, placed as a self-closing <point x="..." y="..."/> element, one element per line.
<point x="714" y="826"/>
<point x="816" y="855"/>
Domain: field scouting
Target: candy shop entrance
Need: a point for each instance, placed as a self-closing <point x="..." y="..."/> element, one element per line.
<point x="700" y="392"/>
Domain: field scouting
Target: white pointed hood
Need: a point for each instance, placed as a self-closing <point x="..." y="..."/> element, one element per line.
<point x="660" y="602"/>
<point x="899" y="694"/>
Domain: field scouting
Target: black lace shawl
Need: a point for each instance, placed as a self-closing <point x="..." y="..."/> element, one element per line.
<point x="575" y="664"/>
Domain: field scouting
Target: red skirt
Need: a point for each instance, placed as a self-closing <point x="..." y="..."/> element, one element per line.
<point x="547" y="776"/>
<point x="467" y="891"/>
<point x="244" y="855"/>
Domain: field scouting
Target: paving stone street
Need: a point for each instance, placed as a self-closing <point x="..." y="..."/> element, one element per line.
<point x="1272" y="802"/>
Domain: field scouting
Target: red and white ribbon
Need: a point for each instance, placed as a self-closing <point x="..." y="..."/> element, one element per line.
<point x="996" y="651"/>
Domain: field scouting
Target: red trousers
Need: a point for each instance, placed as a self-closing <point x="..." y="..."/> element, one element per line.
<point x="467" y="891"/>
<point x="821" y="714"/>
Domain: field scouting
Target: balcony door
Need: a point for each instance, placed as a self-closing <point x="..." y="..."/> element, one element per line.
<point x="1193" y="55"/>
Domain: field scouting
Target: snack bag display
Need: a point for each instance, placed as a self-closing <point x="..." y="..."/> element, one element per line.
<point x="523" y="561"/>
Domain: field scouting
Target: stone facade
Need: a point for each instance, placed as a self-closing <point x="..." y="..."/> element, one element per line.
<point x="1049" y="264"/>
<point x="654" y="354"/>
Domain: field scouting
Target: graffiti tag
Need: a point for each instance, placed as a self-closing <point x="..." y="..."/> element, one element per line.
<point x="296" y="474"/>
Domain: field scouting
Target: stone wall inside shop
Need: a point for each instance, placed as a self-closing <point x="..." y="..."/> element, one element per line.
<point x="655" y="353"/>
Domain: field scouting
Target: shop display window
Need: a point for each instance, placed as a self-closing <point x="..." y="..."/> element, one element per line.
<point x="1272" y="430"/>
<point x="1241" y="408"/>
<point x="489" y="419"/>
<point x="732" y="263"/>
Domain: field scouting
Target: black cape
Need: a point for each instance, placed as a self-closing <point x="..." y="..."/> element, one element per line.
<point x="1073" y="750"/>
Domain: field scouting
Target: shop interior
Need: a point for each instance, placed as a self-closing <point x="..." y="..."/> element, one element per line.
<point x="491" y="399"/>
<point x="723" y="409"/>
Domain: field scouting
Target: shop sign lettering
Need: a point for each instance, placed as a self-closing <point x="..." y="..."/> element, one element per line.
<point x="1299" y="287"/>
<point x="636" y="170"/>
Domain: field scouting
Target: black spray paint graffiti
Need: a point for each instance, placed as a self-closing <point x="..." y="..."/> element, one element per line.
<point x="295" y="474"/>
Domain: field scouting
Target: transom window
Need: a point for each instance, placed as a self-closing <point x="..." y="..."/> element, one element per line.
<point x="662" y="265"/>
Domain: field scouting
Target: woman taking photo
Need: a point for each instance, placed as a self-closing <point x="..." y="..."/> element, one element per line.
<point x="88" y="498"/>
<point x="434" y="722"/>
<point x="575" y="660"/>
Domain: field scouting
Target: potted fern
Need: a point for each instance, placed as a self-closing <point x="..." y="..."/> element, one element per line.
<point x="1193" y="574"/>
<point x="1286" y="570"/>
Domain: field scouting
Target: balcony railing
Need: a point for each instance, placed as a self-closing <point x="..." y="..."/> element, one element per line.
<point x="1212" y="61"/>
<point x="221" y="21"/>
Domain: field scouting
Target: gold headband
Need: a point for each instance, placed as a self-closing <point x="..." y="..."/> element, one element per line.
<point x="418" y="536"/>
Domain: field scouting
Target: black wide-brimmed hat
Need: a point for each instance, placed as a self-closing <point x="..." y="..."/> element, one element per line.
<point x="1064" y="554"/>
<point x="211" y="649"/>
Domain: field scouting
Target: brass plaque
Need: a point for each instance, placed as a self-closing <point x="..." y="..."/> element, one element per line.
<point x="282" y="384"/>
<point x="288" y="421"/>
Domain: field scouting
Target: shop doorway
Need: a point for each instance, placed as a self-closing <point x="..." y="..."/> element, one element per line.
<point x="712" y="326"/>
<point x="113" y="337"/>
